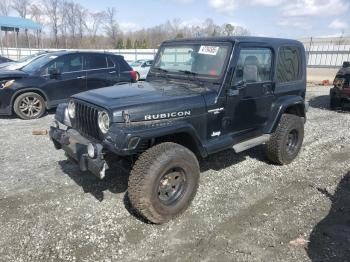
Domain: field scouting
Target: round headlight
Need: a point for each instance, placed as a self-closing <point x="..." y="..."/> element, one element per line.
<point x="103" y="121"/>
<point x="71" y="109"/>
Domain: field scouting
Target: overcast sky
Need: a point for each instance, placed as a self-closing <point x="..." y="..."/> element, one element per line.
<point x="285" y="18"/>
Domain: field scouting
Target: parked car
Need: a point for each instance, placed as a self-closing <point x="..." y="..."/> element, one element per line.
<point x="235" y="92"/>
<point x="4" y="60"/>
<point x="340" y="93"/>
<point x="142" y="68"/>
<point x="54" y="77"/>
<point x="15" y="65"/>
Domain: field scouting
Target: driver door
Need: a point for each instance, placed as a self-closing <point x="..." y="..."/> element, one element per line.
<point x="250" y="96"/>
<point x="70" y="80"/>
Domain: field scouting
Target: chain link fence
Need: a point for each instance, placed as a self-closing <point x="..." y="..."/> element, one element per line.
<point x="327" y="52"/>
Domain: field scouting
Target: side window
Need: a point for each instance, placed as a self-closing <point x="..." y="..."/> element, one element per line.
<point x="110" y="62"/>
<point x="149" y="63"/>
<point x="254" y="65"/>
<point x="288" y="65"/>
<point x="95" y="61"/>
<point x="65" y="64"/>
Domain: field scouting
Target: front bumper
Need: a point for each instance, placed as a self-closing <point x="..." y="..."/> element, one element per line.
<point x="75" y="147"/>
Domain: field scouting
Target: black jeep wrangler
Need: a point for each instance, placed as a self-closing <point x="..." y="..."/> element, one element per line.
<point x="200" y="97"/>
<point x="340" y="93"/>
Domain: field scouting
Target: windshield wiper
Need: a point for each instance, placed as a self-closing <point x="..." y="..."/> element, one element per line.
<point x="161" y="69"/>
<point x="164" y="71"/>
<point x="193" y="74"/>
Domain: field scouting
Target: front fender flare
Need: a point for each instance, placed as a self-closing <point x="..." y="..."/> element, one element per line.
<point x="147" y="131"/>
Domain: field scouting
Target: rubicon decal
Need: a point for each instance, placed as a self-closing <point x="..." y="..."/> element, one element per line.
<point x="168" y="115"/>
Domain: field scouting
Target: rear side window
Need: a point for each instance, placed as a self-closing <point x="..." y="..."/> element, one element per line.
<point x="124" y="66"/>
<point x="288" y="65"/>
<point x="95" y="62"/>
<point x="110" y="62"/>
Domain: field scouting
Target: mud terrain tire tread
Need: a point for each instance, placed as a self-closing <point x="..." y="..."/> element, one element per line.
<point x="146" y="170"/>
<point x="275" y="147"/>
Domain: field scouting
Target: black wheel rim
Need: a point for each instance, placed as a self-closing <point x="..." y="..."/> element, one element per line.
<point x="172" y="186"/>
<point x="30" y="106"/>
<point x="292" y="141"/>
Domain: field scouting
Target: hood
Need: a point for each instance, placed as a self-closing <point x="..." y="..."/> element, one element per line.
<point x="14" y="66"/>
<point x="3" y="65"/>
<point x="148" y="100"/>
<point x="12" y="74"/>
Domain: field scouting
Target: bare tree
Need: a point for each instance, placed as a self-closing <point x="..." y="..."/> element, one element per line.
<point x="94" y="24"/>
<point x="21" y="7"/>
<point x="111" y="25"/>
<point x="5" y="7"/>
<point x="81" y="16"/>
<point x="52" y="11"/>
<point x="36" y="12"/>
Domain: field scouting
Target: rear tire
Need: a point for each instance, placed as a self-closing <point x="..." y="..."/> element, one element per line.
<point x="29" y="106"/>
<point x="285" y="143"/>
<point x="163" y="182"/>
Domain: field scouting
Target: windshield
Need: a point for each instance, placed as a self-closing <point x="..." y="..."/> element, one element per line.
<point x="35" y="65"/>
<point x="204" y="60"/>
<point x="27" y="58"/>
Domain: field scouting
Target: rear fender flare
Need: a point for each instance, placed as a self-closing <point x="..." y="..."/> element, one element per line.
<point x="280" y="107"/>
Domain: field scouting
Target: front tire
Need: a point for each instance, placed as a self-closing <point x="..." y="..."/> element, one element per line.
<point x="29" y="106"/>
<point x="137" y="76"/>
<point x="163" y="182"/>
<point x="285" y="143"/>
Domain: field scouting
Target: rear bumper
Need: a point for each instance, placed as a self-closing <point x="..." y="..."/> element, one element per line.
<point x="75" y="147"/>
<point x="343" y="94"/>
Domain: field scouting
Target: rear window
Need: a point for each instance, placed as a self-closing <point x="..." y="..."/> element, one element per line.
<point x="124" y="66"/>
<point x="288" y="65"/>
<point x="95" y="62"/>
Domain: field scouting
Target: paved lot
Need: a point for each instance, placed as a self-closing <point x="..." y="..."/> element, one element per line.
<point x="245" y="210"/>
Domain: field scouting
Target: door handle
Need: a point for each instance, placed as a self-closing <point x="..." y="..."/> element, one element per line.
<point x="81" y="77"/>
<point x="113" y="72"/>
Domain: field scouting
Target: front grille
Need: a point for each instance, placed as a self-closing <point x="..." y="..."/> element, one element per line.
<point x="86" y="120"/>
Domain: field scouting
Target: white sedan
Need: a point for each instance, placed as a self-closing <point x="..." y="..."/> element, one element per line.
<point x="142" y="68"/>
<point x="15" y="65"/>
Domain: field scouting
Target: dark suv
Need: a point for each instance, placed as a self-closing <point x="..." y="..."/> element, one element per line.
<point x="200" y="97"/>
<point x="340" y="93"/>
<point x="54" y="77"/>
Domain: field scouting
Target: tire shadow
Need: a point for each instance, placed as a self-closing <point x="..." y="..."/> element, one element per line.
<point x="115" y="181"/>
<point x="322" y="102"/>
<point x="13" y="116"/>
<point x="330" y="238"/>
<point x="227" y="158"/>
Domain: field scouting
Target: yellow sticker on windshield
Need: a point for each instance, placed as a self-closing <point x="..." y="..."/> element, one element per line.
<point x="208" y="50"/>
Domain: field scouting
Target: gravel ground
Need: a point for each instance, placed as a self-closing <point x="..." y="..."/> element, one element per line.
<point x="245" y="209"/>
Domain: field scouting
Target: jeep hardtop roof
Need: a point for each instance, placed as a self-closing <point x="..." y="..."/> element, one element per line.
<point x="240" y="39"/>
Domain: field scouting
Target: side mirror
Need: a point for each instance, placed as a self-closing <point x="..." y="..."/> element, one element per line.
<point x="54" y="73"/>
<point x="234" y="90"/>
